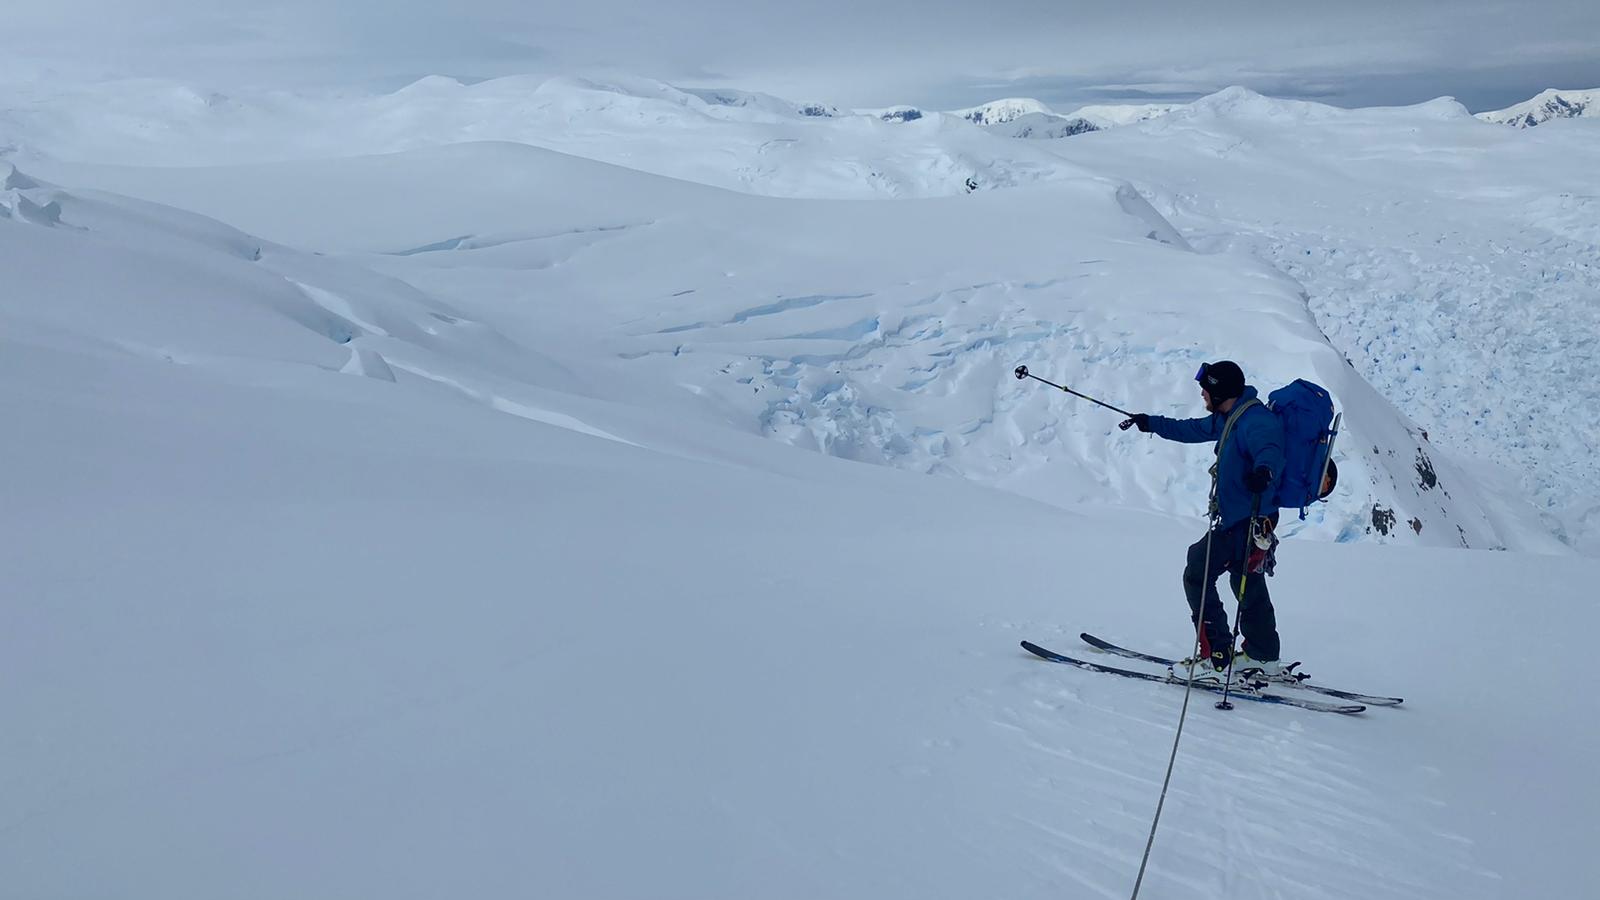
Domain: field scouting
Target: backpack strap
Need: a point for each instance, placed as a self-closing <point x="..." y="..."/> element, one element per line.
<point x="1227" y="431"/>
<point x="1227" y="427"/>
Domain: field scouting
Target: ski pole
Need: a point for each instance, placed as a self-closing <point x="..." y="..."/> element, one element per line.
<point x="1238" y="613"/>
<point x="1022" y="372"/>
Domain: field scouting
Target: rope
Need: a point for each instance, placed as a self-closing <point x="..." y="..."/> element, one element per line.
<point x="1188" y="688"/>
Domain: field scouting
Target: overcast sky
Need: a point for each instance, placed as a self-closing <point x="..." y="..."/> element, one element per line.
<point x="936" y="53"/>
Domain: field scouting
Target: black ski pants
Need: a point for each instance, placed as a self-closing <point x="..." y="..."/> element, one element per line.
<point x="1257" y="622"/>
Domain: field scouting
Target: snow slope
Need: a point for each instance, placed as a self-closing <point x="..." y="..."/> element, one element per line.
<point x="1302" y="187"/>
<point x="880" y="332"/>
<point x="1546" y="106"/>
<point x="280" y="629"/>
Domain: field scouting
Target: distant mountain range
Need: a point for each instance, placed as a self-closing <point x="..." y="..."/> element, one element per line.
<point x="1550" y="104"/>
<point x="1024" y="117"/>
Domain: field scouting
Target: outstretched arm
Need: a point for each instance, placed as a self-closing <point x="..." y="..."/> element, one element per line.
<point x="1189" y="431"/>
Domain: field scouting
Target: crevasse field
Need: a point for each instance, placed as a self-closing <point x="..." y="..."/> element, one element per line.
<point x="580" y="489"/>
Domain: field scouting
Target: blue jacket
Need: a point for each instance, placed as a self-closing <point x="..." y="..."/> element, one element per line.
<point x="1256" y="440"/>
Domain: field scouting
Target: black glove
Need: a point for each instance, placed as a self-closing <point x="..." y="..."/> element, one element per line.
<point x="1137" y="419"/>
<point x="1259" y="480"/>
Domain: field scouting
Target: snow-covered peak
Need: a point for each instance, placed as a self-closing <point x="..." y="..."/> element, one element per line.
<point x="1116" y="115"/>
<point x="1441" y="108"/>
<point x="431" y="84"/>
<point x="1242" y="103"/>
<point x="1239" y="106"/>
<point x="999" y="112"/>
<point x="1549" y="104"/>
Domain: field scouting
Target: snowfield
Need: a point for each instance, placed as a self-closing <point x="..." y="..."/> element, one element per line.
<point x="406" y="505"/>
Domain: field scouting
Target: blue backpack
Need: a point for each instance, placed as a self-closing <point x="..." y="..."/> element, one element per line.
<point x="1309" y="429"/>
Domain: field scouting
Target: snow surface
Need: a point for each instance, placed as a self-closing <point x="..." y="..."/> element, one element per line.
<point x="449" y="522"/>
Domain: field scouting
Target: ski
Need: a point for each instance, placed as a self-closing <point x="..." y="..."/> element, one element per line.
<point x="1368" y="699"/>
<point x="1258" y="696"/>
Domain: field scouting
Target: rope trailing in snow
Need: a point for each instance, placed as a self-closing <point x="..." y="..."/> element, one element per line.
<point x="1188" y="686"/>
<point x="1188" y="689"/>
<point x="1176" y="737"/>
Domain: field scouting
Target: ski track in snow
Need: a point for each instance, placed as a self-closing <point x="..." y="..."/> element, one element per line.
<point x="1228" y="798"/>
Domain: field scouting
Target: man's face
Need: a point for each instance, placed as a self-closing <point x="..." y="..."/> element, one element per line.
<point x="1205" y="395"/>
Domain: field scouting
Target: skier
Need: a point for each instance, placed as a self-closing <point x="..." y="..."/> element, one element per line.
<point x="1244" y="510"/>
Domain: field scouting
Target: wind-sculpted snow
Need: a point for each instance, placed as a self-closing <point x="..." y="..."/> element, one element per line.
<point x="26" y="200"/>
<point x="210" y="296"/>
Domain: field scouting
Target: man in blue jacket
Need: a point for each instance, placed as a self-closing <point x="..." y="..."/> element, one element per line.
<point x="1249" y="449"/>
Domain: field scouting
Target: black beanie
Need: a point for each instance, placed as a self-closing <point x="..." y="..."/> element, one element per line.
<point x="1222" y="380"/>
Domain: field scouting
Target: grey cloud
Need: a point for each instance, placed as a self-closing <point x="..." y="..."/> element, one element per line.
<point x="929" y="52"/>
